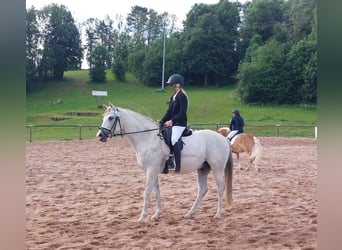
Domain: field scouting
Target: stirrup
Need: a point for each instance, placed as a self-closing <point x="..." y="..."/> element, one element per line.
<point x="170" y="164"/>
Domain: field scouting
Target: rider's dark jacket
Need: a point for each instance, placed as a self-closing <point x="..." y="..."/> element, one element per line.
<point x="237" y="123"/>
<point x="177" y="110"/>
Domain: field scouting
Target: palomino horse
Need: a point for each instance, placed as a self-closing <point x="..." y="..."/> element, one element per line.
<point x="203" y="151"/>
<point x="245" y="143"/>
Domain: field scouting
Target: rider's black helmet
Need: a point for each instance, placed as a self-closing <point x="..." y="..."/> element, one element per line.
<point x="175" y="78"/>
<point x="236" y="111"/>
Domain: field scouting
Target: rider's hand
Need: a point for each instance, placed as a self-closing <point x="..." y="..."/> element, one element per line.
<point x="168" y="123"/>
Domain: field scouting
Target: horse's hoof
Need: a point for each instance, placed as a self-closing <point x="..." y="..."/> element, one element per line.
<point x="188" y="216"/>
<point x="141" y="219"/>
<point x="154" y="218"/>
<point x="217" y="216"/>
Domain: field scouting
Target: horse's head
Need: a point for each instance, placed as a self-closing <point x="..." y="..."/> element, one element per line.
<point x="109" y="123"/>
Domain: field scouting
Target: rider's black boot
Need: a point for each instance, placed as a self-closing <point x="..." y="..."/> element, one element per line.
<point x="177" y="155"/>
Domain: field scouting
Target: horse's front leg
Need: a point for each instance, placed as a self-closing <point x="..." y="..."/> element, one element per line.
<point x="151" y="182"/>
<point x="159" y="208"/>
<point x="239" y="162"/>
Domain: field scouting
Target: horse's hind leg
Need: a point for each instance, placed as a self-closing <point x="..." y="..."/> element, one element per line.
<point x="254" y="162"/>
<point x="250" y="163"/>
<point x="220" y="190"/>
<point x="202" y="178"/>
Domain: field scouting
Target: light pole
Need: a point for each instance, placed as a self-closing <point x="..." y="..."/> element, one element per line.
<point x="163" y="70"/>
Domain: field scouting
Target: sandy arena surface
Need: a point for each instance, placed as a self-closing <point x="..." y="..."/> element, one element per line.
<point x="89" y="195"/>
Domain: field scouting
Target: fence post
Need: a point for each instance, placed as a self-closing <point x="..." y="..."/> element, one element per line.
<point x="277" y="126"/>
<point x="80" y="132"/>
<point x="30" y="126"/>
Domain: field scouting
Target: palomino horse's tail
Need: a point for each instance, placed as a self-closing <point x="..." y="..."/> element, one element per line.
<point x="257" y="150"/>
<point x="228" y="179"/>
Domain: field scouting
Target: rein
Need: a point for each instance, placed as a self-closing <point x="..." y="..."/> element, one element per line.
<point x="136" y="132"/>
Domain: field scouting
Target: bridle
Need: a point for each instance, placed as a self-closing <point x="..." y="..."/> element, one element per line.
<point x="110" y="132"/>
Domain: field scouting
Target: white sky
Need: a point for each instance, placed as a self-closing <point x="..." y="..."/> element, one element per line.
<point x="82" y="10"/>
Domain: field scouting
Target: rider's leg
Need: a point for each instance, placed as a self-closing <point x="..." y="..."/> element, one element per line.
<point x="232" y="134"/>
<point x="176" y="147"/>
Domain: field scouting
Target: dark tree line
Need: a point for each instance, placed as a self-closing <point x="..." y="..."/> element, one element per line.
<point x="267" y="46"/>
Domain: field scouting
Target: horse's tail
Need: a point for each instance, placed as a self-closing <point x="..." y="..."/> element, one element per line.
<point x="257" y="150"/>
<point x="228" y="179"/>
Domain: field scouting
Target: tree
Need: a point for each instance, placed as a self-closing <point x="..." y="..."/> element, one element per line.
<point x="119" y="71"/>
<point x="301" y="17"/>
<point x="135" y="61"/>
<point x="152" y="66"/>
<point x="287" y="74"/>
<point x="147" y="28"/>
<point x="99" y="57"/>
<point x="260" y="17"/>
<point x="106" y="34"/>
<point x="261" y="79"/>
<point x="136" y="23"/>
<point x="301" y="66"/>
<point x="32" y="47"/>
<point x="254" y="44"/>
<point x="62" y="42"/>
<point x="100" y="32"/>
<point x="91" y="38"/>
<point x="120" y="56"/>
<point x="309" y="88"/>
<point x="210" y="37"/>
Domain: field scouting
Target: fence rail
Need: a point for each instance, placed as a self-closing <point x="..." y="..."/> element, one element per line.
<point x="88" y="131"/>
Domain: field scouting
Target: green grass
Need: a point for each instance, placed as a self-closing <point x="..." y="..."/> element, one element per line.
<point x="207" y="105"/>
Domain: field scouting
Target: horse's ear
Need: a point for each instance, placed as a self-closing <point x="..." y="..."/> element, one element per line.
<point x="111" y="104"/>
<point x="104" y="106"/>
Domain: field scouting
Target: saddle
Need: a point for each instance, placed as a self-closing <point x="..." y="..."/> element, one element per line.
<point x="167" y="132"/>
<point x="234" y="138"/>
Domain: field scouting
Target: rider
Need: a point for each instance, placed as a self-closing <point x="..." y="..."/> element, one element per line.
<point x="236" y="124"/>
<point x="176" y="115"/>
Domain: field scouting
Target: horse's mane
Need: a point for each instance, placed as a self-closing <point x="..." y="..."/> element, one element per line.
<point x="134" y="113"/>
<point x="139" y="115"/>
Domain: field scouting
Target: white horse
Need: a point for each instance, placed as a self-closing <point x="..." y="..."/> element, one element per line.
<point x="203" y="151"/>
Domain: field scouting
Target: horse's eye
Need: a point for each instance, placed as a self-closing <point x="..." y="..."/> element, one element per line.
<point x="110" y="118"/>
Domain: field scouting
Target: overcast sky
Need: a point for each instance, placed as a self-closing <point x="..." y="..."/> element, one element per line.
<point x="82" y="10"/>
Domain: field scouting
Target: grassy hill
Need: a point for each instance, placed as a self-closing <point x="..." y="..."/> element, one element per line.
<point x="207" y="105"/>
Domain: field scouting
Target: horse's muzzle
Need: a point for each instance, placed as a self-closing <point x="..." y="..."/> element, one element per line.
<point x="102" y="134"/>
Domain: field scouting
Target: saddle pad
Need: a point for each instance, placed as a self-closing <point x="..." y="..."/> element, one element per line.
<point x="234" y="138"/>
